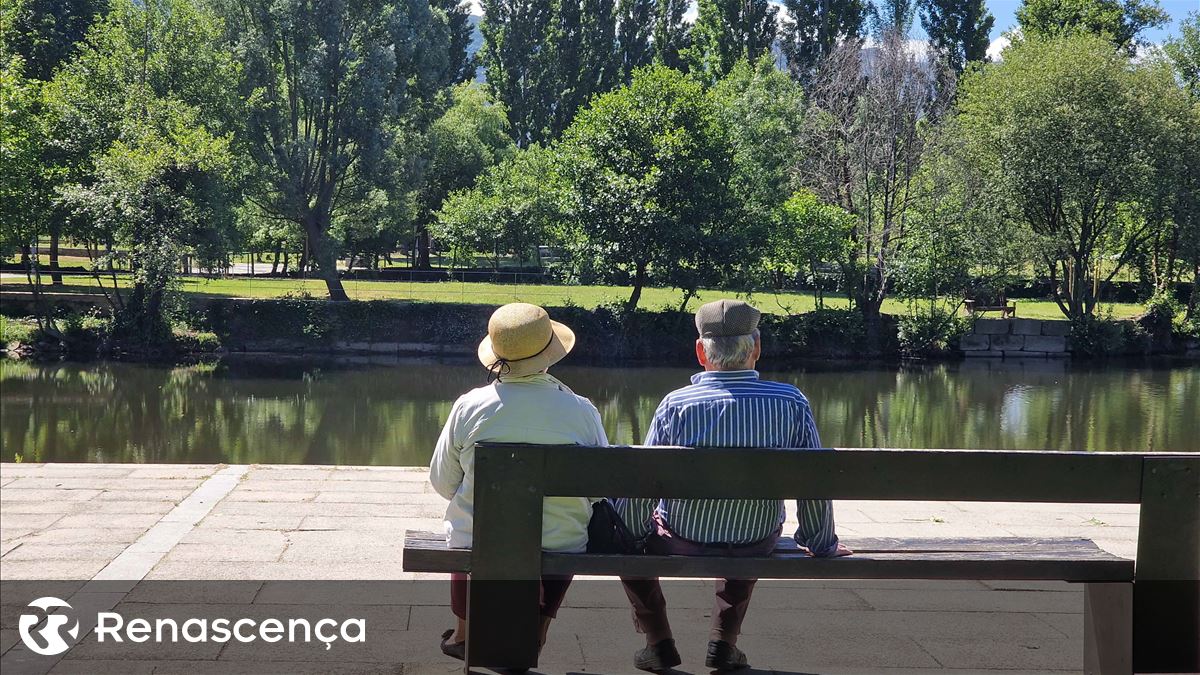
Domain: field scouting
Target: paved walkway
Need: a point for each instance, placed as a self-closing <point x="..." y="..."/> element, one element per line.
<point x="97" y="523"/>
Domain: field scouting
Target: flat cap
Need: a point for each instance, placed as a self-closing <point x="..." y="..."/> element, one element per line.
<point x="726" y="318"/>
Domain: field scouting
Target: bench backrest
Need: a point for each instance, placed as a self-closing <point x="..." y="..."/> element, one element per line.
<point x="512" y="479"/>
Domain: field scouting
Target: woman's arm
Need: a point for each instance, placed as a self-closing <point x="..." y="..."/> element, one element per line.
<point x="445" y="469"/>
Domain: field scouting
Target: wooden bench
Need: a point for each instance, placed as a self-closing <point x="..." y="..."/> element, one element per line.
<point x="1145" y="619"/>
<point x="975" y="306"/>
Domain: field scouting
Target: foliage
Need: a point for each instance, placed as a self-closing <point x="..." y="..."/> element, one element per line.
<point x="1121" y="21"/>
<point x="330" y="88"/>
<point x="44" y="33"/>
<point x="1094" y="336"/>
<point x="141" y="111"/>
<point x="728" y="30"/>
<point x="958" y="30"/>
<point x="650" y="31"/>
<point x="892" y="16"/>
<point x="545" y="59"/>
<point x="931" y="330"/>
<point x="760" y="108"/>
<point x="1076" y="105"/>
<point x="812" y="28"/>
<point x="650" y="167"/>
<point x="515" y="206"/>
<point x="23" y="193"/>
<point x="1184" y="52"/>
<point x="808" y="232"/>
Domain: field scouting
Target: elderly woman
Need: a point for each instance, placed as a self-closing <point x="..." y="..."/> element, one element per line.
<point x="522" y="403"/>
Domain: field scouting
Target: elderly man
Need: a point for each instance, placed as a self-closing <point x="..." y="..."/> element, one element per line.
<point x="727" y="405"/>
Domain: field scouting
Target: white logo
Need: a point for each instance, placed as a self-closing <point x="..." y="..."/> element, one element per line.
<point x="52" y="641"/>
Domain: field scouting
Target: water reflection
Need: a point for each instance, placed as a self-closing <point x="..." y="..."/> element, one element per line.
<point x="297" y="412"/>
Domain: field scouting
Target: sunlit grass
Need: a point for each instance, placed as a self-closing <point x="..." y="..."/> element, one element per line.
<point x="543" y="294"/>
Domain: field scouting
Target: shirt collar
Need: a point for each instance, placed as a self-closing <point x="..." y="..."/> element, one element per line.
<point x="724" y="376"/>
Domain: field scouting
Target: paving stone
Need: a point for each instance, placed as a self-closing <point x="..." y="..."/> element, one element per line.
<point x="51" y="569"/>
<point x="990" y="654"/>
<point x="73" y="535"/>
<point x="270" y="496"/>
<point x="226" y="521"/>
<point x="29" y="521"/>
<point x="379" y="498"/>
<point x="85" y="666"/>
<point x="109" y="521"/>
<point x="973" y="601"/>
<point x="391" y="525"/>
<point x="75" y="551"/>
<point x="224" y="552"/>
<point x="1069" y="625"/>
<point x="47" y="494"/>
<point x="145" y="495"/>
<point x="229" y="537"/>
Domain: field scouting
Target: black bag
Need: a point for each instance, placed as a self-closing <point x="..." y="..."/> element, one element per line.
<point x="607" y="533"/>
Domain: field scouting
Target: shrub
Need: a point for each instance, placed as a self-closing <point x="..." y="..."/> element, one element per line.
<point x="1095" y="336"/>
<point x="930" y="331"/>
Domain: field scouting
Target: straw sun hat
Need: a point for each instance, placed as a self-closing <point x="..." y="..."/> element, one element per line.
<point x="522" y="340"/>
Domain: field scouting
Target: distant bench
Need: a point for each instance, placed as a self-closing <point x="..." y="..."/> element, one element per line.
<point x="1001" y="304"/>
<point x="1146" y="621"/>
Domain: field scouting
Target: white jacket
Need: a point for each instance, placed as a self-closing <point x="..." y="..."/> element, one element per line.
<point x="530" y="409"/>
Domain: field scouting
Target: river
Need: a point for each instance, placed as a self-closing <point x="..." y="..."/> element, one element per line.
<point x="294" y="411"/>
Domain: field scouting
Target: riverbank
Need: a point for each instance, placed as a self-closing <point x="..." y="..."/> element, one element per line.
<point x="169" y="526"/>
<point x="607" y="333"/>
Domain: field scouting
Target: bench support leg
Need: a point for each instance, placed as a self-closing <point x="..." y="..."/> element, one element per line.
<point x="503" y="624"/>
<point x="1108" y="628"/>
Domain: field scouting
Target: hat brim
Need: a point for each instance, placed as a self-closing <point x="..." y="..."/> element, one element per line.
<point x="561" y="343"/>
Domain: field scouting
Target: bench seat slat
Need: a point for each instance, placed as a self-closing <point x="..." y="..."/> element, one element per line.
<point x="1009" y="558"/>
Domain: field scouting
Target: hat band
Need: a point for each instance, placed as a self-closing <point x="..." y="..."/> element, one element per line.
<point x="501" y="366"/>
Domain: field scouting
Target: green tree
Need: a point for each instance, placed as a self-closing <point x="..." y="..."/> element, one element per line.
<point x="1121" y="20"/>
<point x="1074" y="104"/>
<point x="25" y="188"/>
<point x="728" y="30"/>
<point x="469" y="137"/>
<point x="1184" y="52"/>
<point x="812" y="28"/>
<point x="958" y="30"/>
<point x="546" y="58"/>
<point x="650" y="31"/>
<point x="145" y="112"/>
<point x="332" y="84"/>
<point x="806" y="234"/>
<point x="649" y="167"/>
<point x="516" y="206"/>
<point x="892" y="16"/>
<point x="45" y="33"/>
<point x="760" y="108"/>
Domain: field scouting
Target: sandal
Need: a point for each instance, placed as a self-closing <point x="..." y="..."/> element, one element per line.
<point x="456" y="650"/>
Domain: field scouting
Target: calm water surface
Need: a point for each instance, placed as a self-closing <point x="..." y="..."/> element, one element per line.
<point x="297" y="412"/>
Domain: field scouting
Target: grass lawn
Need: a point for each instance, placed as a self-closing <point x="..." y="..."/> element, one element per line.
<point x="548" y="295"/>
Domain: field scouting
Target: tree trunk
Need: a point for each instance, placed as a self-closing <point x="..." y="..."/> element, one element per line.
<point x="422" y="257"/>
<point x="321" y="252"/>
<point x="56" y="277"/>
<point x="639" y="280"/>
<point x="26" y="259"/>
<point x="275" y="262"/>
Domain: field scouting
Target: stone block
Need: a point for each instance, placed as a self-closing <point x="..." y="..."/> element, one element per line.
<point x="992" y="326"/>
<point x="986" y="352"/>
<point x="971" y="343"/>
<point x="1008" y="343"/>
<point x="385" y="347"/>
<point x="1059" y="328"/>
<point x="1026" y="327"/>
<point x="1046" y="343"/>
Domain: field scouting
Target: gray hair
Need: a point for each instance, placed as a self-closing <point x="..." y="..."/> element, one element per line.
<point x="729" y="352"/>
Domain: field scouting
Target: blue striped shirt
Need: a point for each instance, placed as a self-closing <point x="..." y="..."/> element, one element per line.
<point x="733" y="409"/>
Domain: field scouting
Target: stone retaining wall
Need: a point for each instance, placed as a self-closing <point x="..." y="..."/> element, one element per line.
<point x="1016" y="338"/>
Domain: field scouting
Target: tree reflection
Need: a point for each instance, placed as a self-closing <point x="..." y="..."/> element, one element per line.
<point x="295" y="411"/>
